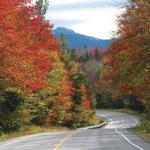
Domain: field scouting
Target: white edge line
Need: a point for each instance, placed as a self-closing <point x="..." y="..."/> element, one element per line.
<point x="128" y="140"/>
<point x="93" y="127"/>
<point x="20" y="139"/>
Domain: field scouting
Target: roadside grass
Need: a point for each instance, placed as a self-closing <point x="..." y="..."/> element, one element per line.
<point x="30" y="130"/>
<point x="143" y="129"/>
<point x="97" y="120"/>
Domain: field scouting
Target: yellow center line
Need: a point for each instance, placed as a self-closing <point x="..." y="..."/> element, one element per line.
<point x="67" y="137"/>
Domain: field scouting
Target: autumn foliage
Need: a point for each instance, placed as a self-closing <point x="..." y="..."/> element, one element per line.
<point x="127" y="63"/>
<point x="24" y="45"/>
<point x="85" y="101"/>
<point x="32" y="72"/>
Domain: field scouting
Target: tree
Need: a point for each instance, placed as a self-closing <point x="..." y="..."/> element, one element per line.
<point x="10" y="102"/>
<point x="37" y="86"/>
<point x="63" y="42"/>
<point x="128" y="69"/>
<point x="25" y="43"/>
<point x="86" y="55"/>
<point x="24" y="57"/>
<point x="42" y="7"/>
<point x="97" y="54"/>
<point x="58" y="92"/>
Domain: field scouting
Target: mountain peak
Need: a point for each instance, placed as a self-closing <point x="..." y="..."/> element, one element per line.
<point x="76" y="40"/>
<point x="63" y="30"/>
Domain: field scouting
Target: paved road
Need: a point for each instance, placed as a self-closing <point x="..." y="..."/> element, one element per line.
<point x="112" y="136"/>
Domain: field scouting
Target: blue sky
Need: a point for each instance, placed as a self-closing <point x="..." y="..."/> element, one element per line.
<point x="96" y="18"/>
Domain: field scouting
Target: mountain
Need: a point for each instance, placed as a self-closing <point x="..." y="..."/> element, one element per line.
<point x="76" y="40"/>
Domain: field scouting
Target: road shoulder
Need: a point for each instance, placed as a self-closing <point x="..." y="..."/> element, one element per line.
<point x="142" y="129"/>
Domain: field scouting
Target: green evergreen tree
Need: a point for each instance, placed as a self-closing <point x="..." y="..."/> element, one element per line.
<point x="97" y="54"/>
<point x="63" y="42"/>
<point x="43" y="7"/>
<point x="86" y="55"/>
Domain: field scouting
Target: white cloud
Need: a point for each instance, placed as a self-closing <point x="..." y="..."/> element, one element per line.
<point x="61" y="2"/>
<point x="97" y="22"/>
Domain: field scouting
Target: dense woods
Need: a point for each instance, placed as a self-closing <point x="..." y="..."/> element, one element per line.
<point x="39" y="83"/>
<point x="126" y="74"/>
<point x="45" y="83"/>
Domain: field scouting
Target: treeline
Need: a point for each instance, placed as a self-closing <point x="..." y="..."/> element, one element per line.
<point x="81" y="55"/>
<point x="86" y="54"/>
<point x="88" y="58"/>
<point x="125" y="79"/>
<point x="39" y="83"/>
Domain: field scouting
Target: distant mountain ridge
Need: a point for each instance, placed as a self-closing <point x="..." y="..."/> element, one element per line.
<point x="76" y="40"/>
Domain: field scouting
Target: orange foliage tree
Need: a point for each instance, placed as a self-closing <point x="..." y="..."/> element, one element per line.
<point x="24" y="43"/>
<point x="127" y="69"/>
<point x="31" y="63"/>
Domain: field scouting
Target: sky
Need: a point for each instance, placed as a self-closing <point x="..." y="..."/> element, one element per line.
<point x="97" y="18"/>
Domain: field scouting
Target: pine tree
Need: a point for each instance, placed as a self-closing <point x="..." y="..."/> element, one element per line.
<point x="43" y="7"/>
<point x="86" y="55"/>
<point x="63" y="42"/>
<point x="97" y="54"/>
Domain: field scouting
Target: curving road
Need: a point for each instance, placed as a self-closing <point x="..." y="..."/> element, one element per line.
<point x="112" y="136"/>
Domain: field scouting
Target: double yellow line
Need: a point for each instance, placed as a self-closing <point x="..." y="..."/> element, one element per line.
<point x="67" y="137"/>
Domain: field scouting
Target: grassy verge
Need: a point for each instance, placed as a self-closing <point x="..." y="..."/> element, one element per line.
<point x="143" y="129"/>
<point x="97" y="120"/>
<point x="30" y="130"/>
<point x="37" y="129"/>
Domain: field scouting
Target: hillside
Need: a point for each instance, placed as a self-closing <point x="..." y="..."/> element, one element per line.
<point x="76" y="40"/>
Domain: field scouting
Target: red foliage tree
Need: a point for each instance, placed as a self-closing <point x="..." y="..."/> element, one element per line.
<point x="127" y="66"/>
<point x="85" y="101"/>
<point x="24" y="45"/>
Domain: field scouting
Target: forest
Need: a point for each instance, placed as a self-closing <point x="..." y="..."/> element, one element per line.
<point x="44" y="83"/>
<point x="126" y="70"/>
<point x="39" y="83"/>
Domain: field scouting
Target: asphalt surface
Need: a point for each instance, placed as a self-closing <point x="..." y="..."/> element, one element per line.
<point x="112" y="136"/>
